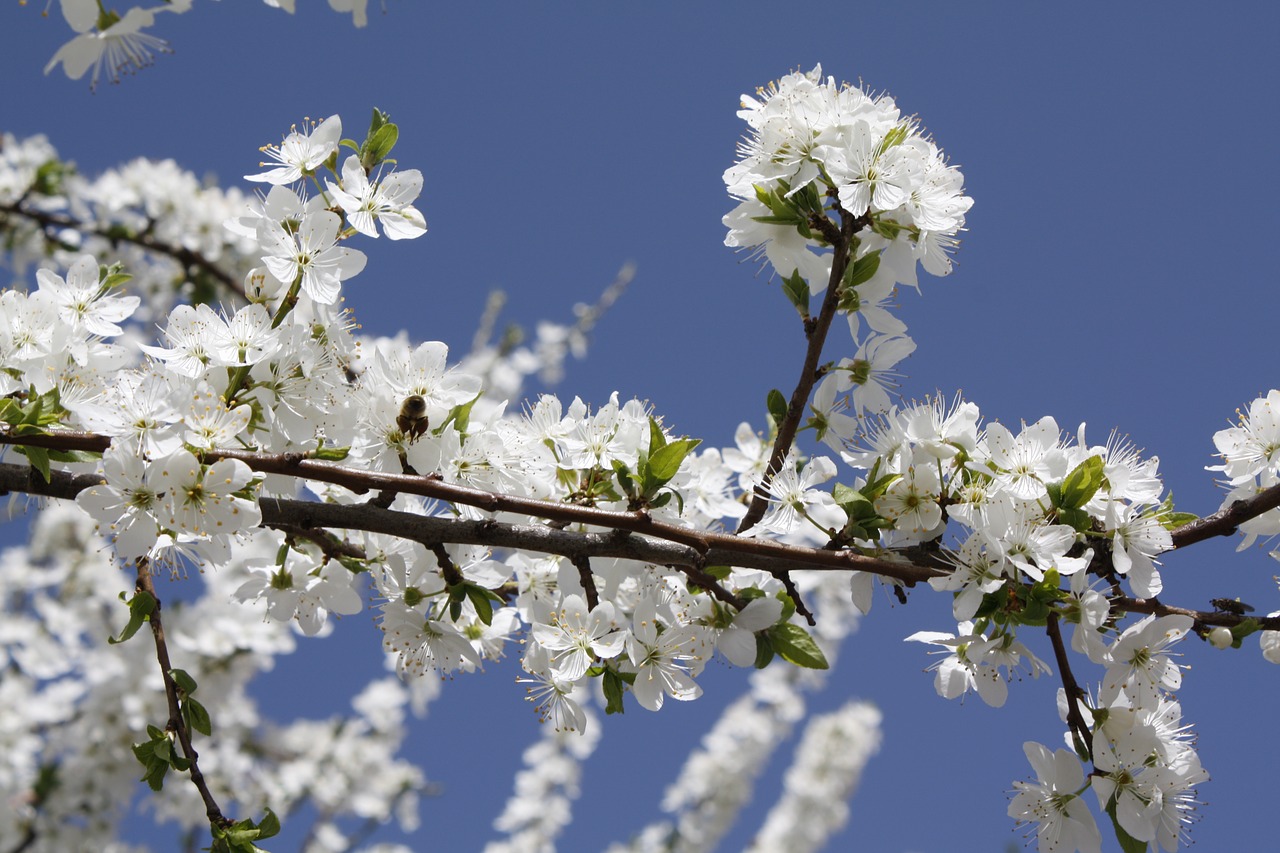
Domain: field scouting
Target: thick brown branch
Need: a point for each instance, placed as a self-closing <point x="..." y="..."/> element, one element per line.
<point x="1225" y="521"/>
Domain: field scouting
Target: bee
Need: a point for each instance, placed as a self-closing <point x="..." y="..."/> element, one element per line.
<point x="412" y="420"/>
<point x="1231" y="605"/>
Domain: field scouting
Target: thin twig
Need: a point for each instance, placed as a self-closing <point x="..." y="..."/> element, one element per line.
<point x="1080" y="731"/>
<point x="816" y="330"/>
<point x="582" y="563"/>
<point x="176" y="724"/>
<point x="189" y="258"/>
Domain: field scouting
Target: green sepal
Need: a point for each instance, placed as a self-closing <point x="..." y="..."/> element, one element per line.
<point x="777" y="406"/>
<point x="140" y="608"/>
<point x="794" y="644"/>
<point x="1081" y="484"/>
<point x="719" y="572"/>
<point x="613" y="691"/>
<point x="796" y="290"/>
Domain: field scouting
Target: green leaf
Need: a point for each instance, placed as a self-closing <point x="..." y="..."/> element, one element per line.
<point x="197" y="717"/>
<point x="796" y="290"/>
<point x="777" y="405"/>
<point x="1082" y="483"/>
<point x="847" y="497"/>
<point x="269" y="825"/>
<point x="862" y="270"/>
<point x="764" y="651"/>
<point x="719" y="572"/>
<point x="613" y="692"/>
<point x="665" y="463"/>
<point x="1174" y="520"/>
<point x="1078" y="519"/>
<point x="656" y="439"/>
<point x="10" y="411"/>
<point x="377" y="121"/>
<point x="185" y="682"/>
<point x="480" y="600"/>
<point x="379" y="145"/>
<point x="140" y="607"/>
<point x="794" y="644"/>
<point x="39" y="459"/>
<point x="74" y="455"/>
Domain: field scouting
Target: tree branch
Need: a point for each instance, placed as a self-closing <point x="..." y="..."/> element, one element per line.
<point x="1081" y="734"/>
<point x="189" y="258"/>
<point x="176" y="723"/>
<point x="1225" y="521"/>
<point x="816" y="331"/>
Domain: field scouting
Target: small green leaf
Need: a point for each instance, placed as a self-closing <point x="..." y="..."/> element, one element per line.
<point x="613" y="692"/>
<point x="777" y="405"/>
<point x="1081" y="484"/>
<point x="1174" y="520"/>
<point x="796" y="290"/>
<point x="185" y="682"/>
<point x="140" y="607"/>
<point x="656" y="438"/>
<point x="764" y="650"/>
<point x="379" y="145"/>
<point x="665" y="463"/>
<point x="197" y="717"/>
<point x="480" y="600"/>
<point x="794" y="644"/>
<point x="331" y="454"/>
<point x="39" y="459"/>
<point x="719" y="572"/>
<point x="862" y="270"/>
<point x="269" y="825"/>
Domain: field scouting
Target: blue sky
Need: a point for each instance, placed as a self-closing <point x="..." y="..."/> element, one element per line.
<point x="1118" y="270"/>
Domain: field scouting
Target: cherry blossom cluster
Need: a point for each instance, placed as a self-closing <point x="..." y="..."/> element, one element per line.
<point x="113" y="44"/>
<point x="815" y="149"/>
<point x="1251" y="462"/>
<point x="1145" y="767"/>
